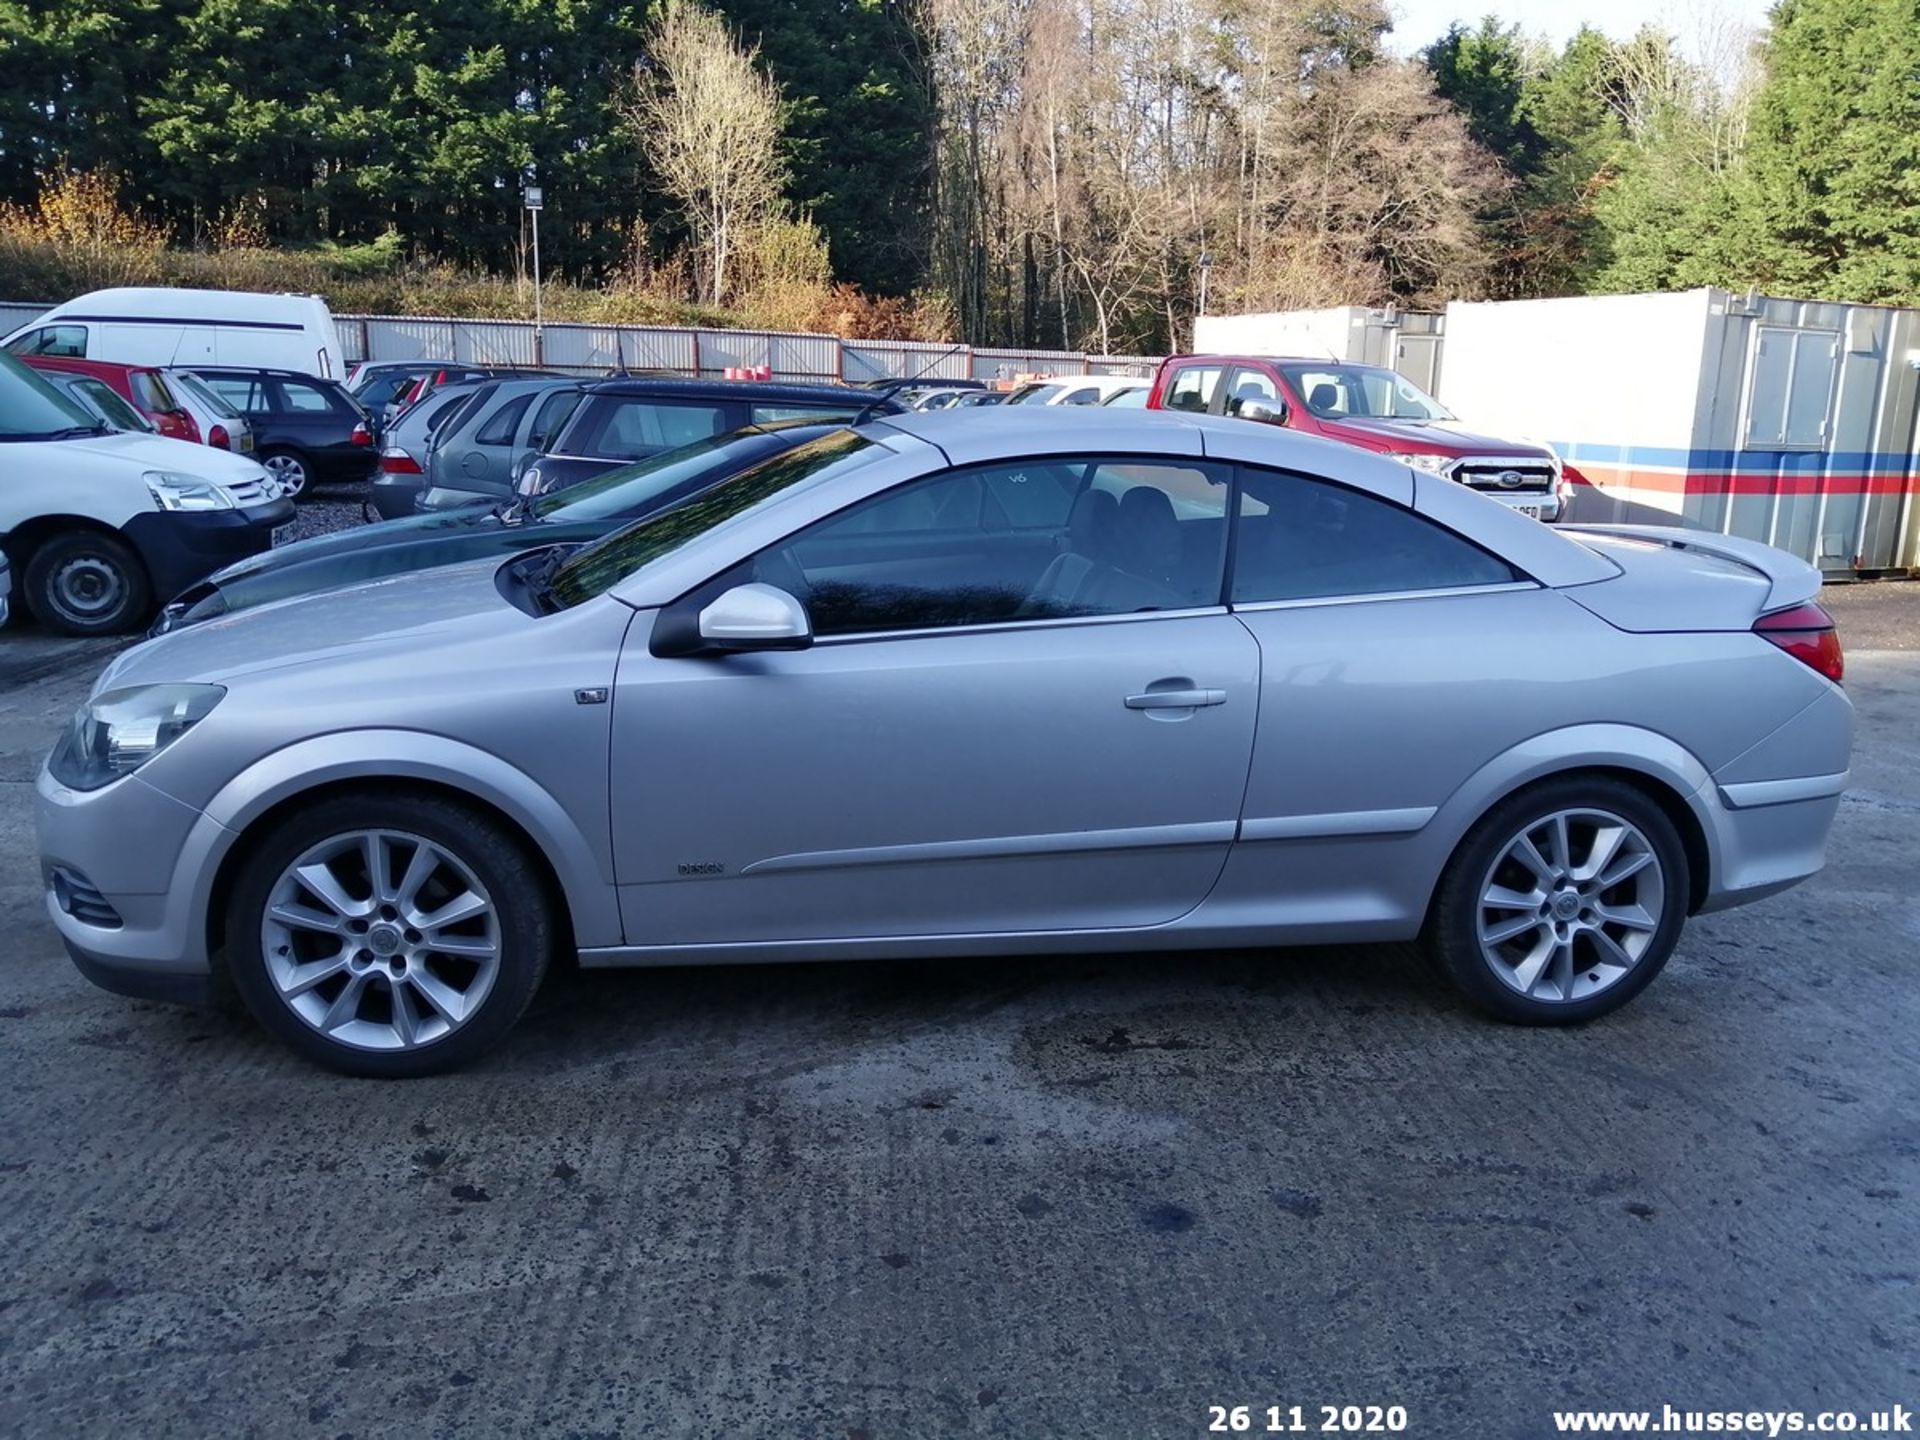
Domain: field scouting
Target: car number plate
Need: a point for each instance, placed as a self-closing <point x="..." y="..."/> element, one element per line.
<point x="282" y="534"/>
<point x="1532" y="512"/>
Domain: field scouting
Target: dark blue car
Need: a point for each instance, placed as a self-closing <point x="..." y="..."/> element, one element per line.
<point x="576" y="515"/>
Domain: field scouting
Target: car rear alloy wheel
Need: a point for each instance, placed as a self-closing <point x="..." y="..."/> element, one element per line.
<point x="289" y="469"/>
<point x="388" y="936"/>
<point x="1570" y="905"/>
<point x="381" y="940"/>
<point x="1563" y="902"/>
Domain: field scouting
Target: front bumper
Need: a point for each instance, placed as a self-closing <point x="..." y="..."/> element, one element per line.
<point x="147" y="861"/>
<point x="179" y="547"/>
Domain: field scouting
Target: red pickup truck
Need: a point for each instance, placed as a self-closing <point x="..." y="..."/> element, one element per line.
<point x="1368" y="406"/>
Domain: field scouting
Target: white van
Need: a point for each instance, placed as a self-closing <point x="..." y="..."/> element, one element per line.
<point x="188" y="329"/>
<point x="101" y="526"/>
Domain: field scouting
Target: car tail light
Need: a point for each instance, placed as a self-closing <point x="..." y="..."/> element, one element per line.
<point x="219" y="439"/>
<point x="361" y="435"/>
<point x="1805" y="632"/>
<point x="396" y="461"/>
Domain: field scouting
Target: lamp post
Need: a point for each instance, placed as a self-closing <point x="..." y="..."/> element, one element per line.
<point x="533" y="199"/>
<point x="1206" y="269"/>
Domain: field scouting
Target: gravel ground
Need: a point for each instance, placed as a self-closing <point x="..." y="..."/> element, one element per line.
<point x="1084" y="1197"/>
<point x="332" y="507"/>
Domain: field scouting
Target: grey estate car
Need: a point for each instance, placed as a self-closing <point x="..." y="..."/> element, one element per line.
<point x="955" y="684"/>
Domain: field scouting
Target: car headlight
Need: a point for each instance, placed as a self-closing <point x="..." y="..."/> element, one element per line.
<point x="117" y="731"/>
<point x="1423" y="460"/>
<point x="173" y="491"/>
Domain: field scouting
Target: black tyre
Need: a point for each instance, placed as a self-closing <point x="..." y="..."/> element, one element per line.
<point x="388" y="937"/>
<point x="290" y="468"/>
<point x="1562" y="903"/>
<point x="86" y="582"/>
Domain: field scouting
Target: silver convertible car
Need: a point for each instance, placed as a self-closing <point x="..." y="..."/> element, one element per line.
<point x="953" y="684"/>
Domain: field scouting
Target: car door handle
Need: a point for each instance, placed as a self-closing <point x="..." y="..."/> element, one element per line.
<point x="1176" y="699"/>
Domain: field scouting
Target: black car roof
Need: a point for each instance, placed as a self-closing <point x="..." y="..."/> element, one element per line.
<point x="739" y="389"/>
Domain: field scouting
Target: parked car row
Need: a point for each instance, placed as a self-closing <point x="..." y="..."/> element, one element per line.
<point x="698" y="695"/>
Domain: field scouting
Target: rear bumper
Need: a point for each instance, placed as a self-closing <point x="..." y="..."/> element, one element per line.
<point x="180" y="547"/>
<point x="393" y="495"/>
<point x="1768" y="835"/>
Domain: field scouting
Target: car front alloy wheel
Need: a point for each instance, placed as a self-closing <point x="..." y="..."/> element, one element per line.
<point x="382" y="938"/>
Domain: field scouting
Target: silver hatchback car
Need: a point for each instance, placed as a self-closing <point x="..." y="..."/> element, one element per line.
<point x="972" y="682"/>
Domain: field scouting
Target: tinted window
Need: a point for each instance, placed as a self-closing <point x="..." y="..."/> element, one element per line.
<point x="652" y="484"/>
<point x="500" y="427"/>
<point x="1303" y="539"/>
<point x="69" y="341"/>
<point x="245" y="395"/>
<point x="1192" y="387"/>
<point x="298" y="399"/>
<point x="766" y="414"/>
<point x="605" y="563"/>
<point x="1088" y="395"/>
<point x="616" y="427"/>
<point x="939" y="552"/>
<point x="552" y="414"/>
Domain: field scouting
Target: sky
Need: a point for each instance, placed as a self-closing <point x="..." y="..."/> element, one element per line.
<point x="1420" y="22"/>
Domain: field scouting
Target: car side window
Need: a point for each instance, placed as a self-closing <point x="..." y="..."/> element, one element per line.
<point x="1087" y="395"/>
<point x="298" y="399"/>
<point x="554" y="409"/>
<point x="1246" y="383"/>
<point x="244" y="395"/>
<point x="767" y="414"/>
<point x="1137" y="536"/>
<point x="1192" y="387"/>
<point x="500" y="428"/>
<point x="1298" y="538"/>
<point x="617" y="427"/>
<point x="69" y="342"/>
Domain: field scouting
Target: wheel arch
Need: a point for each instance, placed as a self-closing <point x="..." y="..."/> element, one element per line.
<point x="1668" y="774"/>
<point x="29" y="535"/>
<point x="565" y="862"/>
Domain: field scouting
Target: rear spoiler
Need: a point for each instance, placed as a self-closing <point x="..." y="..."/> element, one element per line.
<point x="1794" y="581"/>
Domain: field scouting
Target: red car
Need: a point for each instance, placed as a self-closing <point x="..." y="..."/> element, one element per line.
<point x="1367" y="406"/>
<point x="142" y="386"/>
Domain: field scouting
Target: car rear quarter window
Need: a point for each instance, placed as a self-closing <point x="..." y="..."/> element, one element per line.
<point x="1298" y="538"/>
<point x="301" y="399"/>
<point x="554" y="409"/>
<point x="150" y="392"/>
<point x="504" y="422"/>
<point x="626" y="427"/>
<point x="769" y="414"/>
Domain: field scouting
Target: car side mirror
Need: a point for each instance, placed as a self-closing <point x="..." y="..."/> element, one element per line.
<point x="755" y="617"/>
<point x="1263" y="413"/>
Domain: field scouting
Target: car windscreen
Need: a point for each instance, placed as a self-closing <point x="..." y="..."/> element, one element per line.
<point x="382" y="386"/>
<point x="1370" y="392"/>
<point x="603" y="564"/>
<point x="652" y="484"/>
<point x="1034" y="394"/>
<point x="105" y="401"/>
<point x="31" y="409"/>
